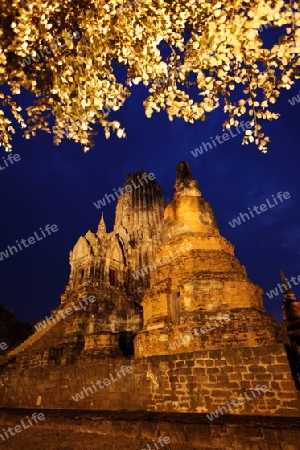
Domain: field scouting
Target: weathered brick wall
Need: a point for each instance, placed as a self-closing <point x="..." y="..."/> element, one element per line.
<point x="190" y="382"/>
<point x="240" y="328"/>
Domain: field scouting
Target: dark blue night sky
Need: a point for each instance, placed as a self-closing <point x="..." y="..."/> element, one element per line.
<point x="58" y="185"/>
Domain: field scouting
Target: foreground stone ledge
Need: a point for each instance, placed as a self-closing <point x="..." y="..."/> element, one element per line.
<point x="188" y="431"/>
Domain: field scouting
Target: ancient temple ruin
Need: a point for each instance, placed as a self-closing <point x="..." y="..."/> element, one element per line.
<point x="164" y="294"/>
<point x="204" y="284"/>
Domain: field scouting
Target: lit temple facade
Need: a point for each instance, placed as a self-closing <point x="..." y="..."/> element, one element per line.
<point x="161" y="275"/>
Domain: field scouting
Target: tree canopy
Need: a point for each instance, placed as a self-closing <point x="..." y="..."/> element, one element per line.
<point x="192" y="55"/>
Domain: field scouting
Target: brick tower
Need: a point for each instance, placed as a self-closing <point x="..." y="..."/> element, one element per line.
<point x="204" y="284"/>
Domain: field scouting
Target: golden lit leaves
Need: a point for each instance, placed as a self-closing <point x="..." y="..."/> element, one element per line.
<point x="217" y="44"/>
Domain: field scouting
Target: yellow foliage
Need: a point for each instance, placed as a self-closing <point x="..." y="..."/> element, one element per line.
<point x="64" y="53"/>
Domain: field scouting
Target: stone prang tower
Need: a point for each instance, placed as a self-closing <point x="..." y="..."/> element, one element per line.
<point x="107" y="266"/>
<point x="203" y="284"/>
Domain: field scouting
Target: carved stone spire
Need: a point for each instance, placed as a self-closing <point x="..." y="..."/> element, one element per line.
<point x="188" y="211"/>
<point x="185" y="184"/>
<point x="289" y="295"/>
<point x="139" y="203"/>
<point x="138" y="224"/>
<point x="101" y="226"/>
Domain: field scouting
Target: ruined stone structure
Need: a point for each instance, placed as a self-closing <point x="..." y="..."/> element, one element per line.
<point x="171" y="300"/>
<point x="203" y="285"/>
<point x="102" y="265"/>
<point x="291" y="316"/>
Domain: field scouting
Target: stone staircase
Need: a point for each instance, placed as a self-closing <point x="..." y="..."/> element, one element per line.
<point x="31" y="340"/>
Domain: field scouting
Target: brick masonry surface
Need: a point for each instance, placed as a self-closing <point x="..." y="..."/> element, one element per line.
<point x="189" y="382"/>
